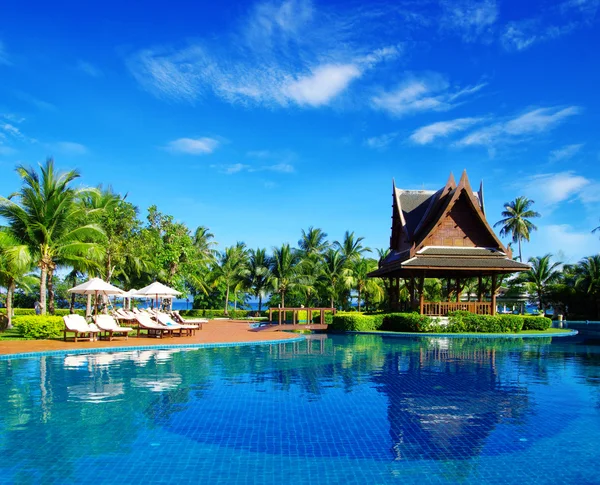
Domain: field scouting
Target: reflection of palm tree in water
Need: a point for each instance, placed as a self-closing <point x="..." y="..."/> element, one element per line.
<point x="442" y="407"/>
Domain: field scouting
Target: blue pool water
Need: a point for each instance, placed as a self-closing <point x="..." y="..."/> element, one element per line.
<point x="342" y="409"/>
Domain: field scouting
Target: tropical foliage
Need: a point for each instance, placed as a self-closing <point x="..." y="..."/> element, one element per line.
<point x="516" y="223"/>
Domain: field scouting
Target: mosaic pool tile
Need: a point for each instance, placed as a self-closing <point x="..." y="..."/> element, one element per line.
<point x="340" y="409"/>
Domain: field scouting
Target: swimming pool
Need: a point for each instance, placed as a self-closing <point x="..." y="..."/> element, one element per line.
<point x="338" y="409"/>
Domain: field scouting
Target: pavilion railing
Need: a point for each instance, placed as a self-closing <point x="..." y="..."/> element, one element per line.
<point x="442" y="308"/>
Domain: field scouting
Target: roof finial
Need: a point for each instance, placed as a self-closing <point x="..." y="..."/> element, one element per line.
<point x="481" y="197"/>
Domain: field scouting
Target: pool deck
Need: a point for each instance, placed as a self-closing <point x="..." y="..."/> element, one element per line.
<point x="215" y="331"/>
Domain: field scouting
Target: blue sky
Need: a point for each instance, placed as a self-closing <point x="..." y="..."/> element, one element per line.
<point x="258" y="119"/>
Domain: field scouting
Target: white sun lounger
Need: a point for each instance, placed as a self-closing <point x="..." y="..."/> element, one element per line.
<point x="77" y="324"/>
<point x="108" y="324"/>
<point x="167" y="322"/>
<point x="188" y="321"/>
<point x="154" y="328"/>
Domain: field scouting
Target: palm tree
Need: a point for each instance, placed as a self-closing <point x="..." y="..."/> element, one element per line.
<point x="516" y="221"/>
<point x="334" y="273"/>
<point x="382" y="253"/>
<point x="542" y="273"/>
<point x="313" y="242"/>
<point x="587" y="278"/>
<point x="15" y="262"/>
<point x="49" y="221"/>
<point x="351" y="247"/>
<point x="283" y="267"/>
<point x="204" y="243"/>
<point x="232" y="268"/>
<point x="359" y="271"/>
<point x="259" y="278"/>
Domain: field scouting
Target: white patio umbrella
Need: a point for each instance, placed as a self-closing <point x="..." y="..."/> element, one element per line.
<point x="157" y="290"/>
<point x="96" y="286"/>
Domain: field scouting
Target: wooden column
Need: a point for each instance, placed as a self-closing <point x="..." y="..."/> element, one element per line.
<point x="270" y="315"/>
<point x="457" y="290"/>
<point x="493" y="295"/>
<point x="308" y="317"/>
<point x="294" y="317"/>
<point x="480" y="289"/>
<point x="421" y="294"/>
<point x="322" y="317"/>
<point x="279" y="316"/>
<point x="411" y="291"/>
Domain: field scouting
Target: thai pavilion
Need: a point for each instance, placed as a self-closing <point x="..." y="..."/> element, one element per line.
<point x="444" y="234"/>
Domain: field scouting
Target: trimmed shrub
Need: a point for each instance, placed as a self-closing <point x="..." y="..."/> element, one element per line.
<point x="328" y="317"/>
<point x="59" y="312"/>
<point x="354" y="321"/>
<point x="406" y="322"/>
<point x="462" y="321"/>
<point x="38" y="326"/>
<point x="536" y="323"/>
<point x="217" y="313"/>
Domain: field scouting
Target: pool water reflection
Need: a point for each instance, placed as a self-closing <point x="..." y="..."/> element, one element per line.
<point x="333" y="409"/>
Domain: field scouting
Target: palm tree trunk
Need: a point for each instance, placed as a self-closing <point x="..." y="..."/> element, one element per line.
<point x="51" y="291"/>
<point x="331" y="301"/>
<point x="283" y="299"/>
<point x="72" y="305"/>
<point x="10" y="291"/>
<point x="520" y="256"/>
<point x="259" y="303"/>
<point x="88" y="306"/>
<point x="43" y="280"/>
<point x="227" y="301"/>
<point x="358" y="290"/>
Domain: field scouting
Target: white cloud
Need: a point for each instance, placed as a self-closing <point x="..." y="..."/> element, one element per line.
<point x="563" y="239"/>
<point x="382" y="141"/>
<point x="431" y="92"/>
<point x="471" y="18"/>
<point x="89" y="69"/>
<point x="551" y="189"/>
<point x="242" y="167"/>
<point x="283" y="53"/>
<point x="532" y="122"/>
<point x="442" y="129"/>
<point x="70" y="148"/>
<point x="193" y="146"/>
<point x="325" y="83"/>
<point x="278" y="167"/>
<point x="565" y="153"/>
<point x="554" y="22"/>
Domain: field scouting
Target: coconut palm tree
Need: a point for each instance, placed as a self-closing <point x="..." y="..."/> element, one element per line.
<point x="313" y="242"/>
<point x="543" y="272"/>
<point x="205" y="244"/>
<point x="46" y="217"/>
<point x="359" y="279"/>
<point x="587" y="278"/>
<point x="334" y="273"/>
<point x="232" y="268"/>
<point x="259" y="278"/>
<point x="382" y="253"/>
<point x="283" y="268"/>
<point x="351" y="247"/>
<point x="15" y="262"/>
<point x="516" y="223"/>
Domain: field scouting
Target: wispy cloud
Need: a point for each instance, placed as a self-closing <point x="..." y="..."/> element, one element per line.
<point x="565" y="153"/>
<point x="283" y="53"/>
<point x="3" y="55"/>
<point x="554" y="22"/>
<point x="535" y="121"/>
<point x="564" y="240"/>
<point x="193" y="146"/>
<point x="382" y="141"/>
<point x="38" y="103"/>
<point x="430" y="92"/>
<point x="70" y="148"/>
<point x="243" y="167"/>
<point x="89" y="69"/>
<point x="551" y="189"/>
<point x="442" y="129"/>
<point x="470" y="18"/>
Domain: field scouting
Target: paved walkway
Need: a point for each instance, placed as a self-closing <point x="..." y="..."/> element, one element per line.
<point x="215" y="331"/>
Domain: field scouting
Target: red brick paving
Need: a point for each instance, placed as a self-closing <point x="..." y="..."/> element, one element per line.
<point x="215" y="331"/>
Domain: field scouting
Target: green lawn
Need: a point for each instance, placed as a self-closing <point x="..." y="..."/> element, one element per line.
<point x="10" y="335"/>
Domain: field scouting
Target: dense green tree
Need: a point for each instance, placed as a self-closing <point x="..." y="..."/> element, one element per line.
<point x="231" y="269"/>
<point x="543" y="273"/>
<point x="15" y="263"/>
<point x="283" y="268"/>
<point x="516" y="223"/>
<point x="587" y="279"/>
<point x="313" y="243"/>
<point x="47" y="218"/>
<point x="334" y="274"/>
<point x="351" y="247"/>
<point x="258" y="278"/>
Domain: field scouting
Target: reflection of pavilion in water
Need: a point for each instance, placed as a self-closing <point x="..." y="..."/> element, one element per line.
<point x="444" y="403"/>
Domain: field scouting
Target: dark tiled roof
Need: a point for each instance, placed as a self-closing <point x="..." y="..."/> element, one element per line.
<point x="414" y="204"/>
<point x="458" y="251"/>
<point x="464" y="262"/>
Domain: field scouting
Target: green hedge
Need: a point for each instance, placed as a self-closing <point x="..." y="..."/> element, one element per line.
<point x="536" y="323"/>
<point x="38" y="326"/>
<point x="328" y="317"/>
<point x="213" y="313"/>
<point x="406" y="322"/>
<point x="462" y="321"/>
<point x="59" y="312"/>
<point x="354" y="321"/>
